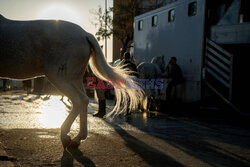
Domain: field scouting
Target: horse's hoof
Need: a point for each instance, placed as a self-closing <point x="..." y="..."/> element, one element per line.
<point x="66" y="141"/>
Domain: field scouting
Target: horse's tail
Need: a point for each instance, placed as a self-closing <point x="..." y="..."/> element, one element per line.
<point x="128" y="94"/>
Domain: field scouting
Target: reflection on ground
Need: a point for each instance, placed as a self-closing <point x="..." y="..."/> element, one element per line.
<point x="158" y="140"/>
<point x="35" y="112"/>
<point x="32" y="111"/>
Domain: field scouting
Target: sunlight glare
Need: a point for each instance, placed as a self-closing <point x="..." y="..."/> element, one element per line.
<point x="53" y="113"/>
<point x="60" y="12"/>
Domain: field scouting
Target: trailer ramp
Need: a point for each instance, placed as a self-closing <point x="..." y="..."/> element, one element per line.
<point x="219" y="70"/>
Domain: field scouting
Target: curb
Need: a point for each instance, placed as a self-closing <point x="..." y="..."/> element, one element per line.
<point x="5" y="160"/>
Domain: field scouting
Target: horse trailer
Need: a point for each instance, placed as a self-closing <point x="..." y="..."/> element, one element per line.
<point x="210" y="40"/>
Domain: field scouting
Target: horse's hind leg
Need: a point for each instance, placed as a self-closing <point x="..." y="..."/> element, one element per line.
<point x="83" y="116"/>
<point x="79" y="100"/>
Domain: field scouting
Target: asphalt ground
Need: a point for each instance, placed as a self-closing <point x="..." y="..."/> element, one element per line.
<point x="30" y="136"/>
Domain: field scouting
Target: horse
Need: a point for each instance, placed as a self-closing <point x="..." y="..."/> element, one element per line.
<point x="61" y="51"/>
<point x="156" y="67"/>
<point x="152" y="70"/>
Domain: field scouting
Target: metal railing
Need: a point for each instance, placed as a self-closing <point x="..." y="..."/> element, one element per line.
<point x="219" y="64"/>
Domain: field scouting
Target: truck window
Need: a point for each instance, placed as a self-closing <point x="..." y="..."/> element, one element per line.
<point x="192" y="8"/>
<point x="154" y="21"/>
<point x="171" y="15"/>
<point x="140" y="25"/>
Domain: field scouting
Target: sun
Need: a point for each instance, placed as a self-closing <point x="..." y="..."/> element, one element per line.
<point x="60" y="12"/>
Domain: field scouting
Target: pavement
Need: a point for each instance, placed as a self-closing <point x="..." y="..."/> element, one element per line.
<point x="5" y="160"/>
<point x="30" y="136"/>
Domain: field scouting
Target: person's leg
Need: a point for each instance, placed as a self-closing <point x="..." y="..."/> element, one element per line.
<point x="168" y="96"/>
<point x="102" y="103"/>
<point x="4" y="84"/>
<point x="169" y="91"/>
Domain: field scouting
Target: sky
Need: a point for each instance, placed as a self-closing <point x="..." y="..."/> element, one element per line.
<point x="77" y="11"/>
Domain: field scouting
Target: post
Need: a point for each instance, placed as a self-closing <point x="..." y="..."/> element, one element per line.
<point x="106" y="29"/>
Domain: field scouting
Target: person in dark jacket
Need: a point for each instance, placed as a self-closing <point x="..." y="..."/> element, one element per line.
<point x="174" y="74"/>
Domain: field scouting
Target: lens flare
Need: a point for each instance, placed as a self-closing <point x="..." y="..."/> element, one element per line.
<point x="60" y="12"/>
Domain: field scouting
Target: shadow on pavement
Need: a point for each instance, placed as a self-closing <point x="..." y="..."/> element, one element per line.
<point x="19" y="98"/>
<point x="47" y="97"/>
<point x="208" y="145"/>
<point x="33" y="98"/>
<point x="206" y="142"/>
<point x="69" y="155"/>
<point x="150" y="155"/>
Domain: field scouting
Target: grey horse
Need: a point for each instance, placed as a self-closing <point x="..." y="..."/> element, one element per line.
<point x="152" y="70"/>
<point x="61" y="51"/>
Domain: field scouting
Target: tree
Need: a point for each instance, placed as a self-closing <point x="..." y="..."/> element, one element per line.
<point x="120" y="24"/>
<point x="101" y="21"/>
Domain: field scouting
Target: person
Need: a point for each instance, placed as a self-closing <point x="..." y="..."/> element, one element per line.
<point x="122" y="52"/>
<point x="27" y="84"/>
<point x="5" y="84"/>
<point x="100" y="96"/>
<point x="127" y="63"/>
<point x="174" y="74"/>
<point x="102" y="103"/>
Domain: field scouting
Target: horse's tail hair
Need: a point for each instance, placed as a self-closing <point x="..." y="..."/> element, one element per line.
<point x="128" y="94"/>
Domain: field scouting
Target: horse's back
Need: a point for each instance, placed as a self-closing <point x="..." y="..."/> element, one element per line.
<point x="148" y="70"/>
<point x="29" y="48"/>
